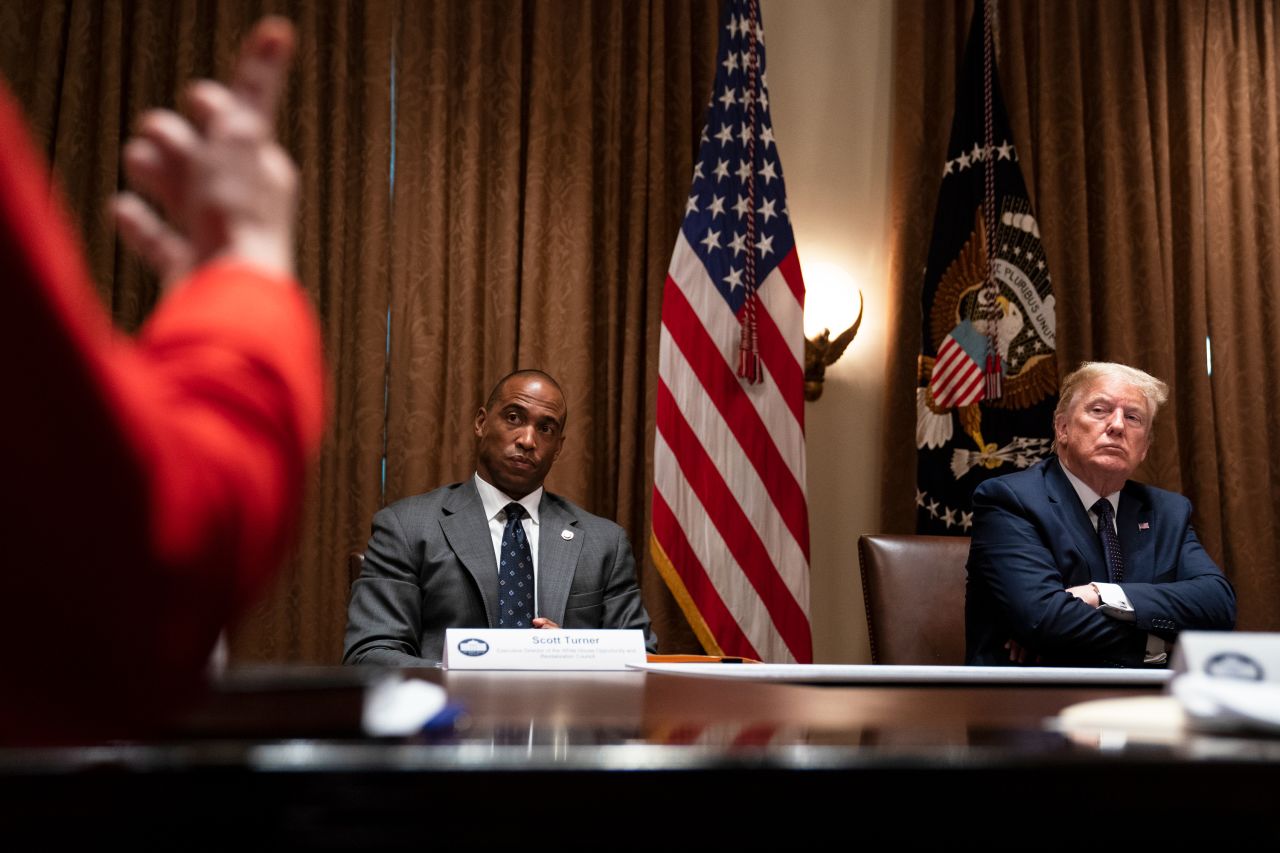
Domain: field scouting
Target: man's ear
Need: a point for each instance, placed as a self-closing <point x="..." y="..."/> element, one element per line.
<point x="480" y="418"/>
<point x="559" y="447"/>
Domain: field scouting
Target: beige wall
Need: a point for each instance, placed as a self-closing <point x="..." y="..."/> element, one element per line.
<point x="829" y="81"/>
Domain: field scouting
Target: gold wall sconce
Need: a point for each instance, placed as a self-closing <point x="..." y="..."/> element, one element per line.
<point x="822" y="351"/>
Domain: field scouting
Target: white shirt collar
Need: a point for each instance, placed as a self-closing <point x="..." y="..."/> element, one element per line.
<point x="494" y="500"/>
<point x="1088" y="496"/>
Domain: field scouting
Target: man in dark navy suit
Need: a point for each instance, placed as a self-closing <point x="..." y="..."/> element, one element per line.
<point x="1074" y="564"/>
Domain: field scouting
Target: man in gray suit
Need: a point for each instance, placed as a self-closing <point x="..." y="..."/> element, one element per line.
<point x="459" y="556"/>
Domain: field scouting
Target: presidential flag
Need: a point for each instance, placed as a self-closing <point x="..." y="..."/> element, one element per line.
<point x="988" y="376"/>
<point x="730" y="519"/>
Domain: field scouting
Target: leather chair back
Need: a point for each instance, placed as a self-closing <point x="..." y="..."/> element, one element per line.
<point x="355" y="565"/>
<point x="913" y="587"/>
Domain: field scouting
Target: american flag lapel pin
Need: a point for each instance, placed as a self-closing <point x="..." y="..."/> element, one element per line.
<point x="1144" y="525"/>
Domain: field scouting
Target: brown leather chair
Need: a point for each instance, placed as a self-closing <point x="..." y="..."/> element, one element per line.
<point x="355" y="565"/>
<point x="913" y="587"/>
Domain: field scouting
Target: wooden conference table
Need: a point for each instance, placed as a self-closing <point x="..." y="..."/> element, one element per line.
<point x="642" y="760"/>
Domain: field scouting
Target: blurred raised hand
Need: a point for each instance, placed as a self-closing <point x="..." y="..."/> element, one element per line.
<point x="215" y="184"/>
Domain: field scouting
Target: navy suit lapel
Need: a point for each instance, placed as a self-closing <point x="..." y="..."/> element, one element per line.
<point x="557" y="557"/>
<point x="1083" y="536"/>
<point x="467" y="531"/>
<point x="1134" y="524"/>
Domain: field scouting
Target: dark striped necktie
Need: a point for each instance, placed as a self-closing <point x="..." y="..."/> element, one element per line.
<point x="1110" y="542"/>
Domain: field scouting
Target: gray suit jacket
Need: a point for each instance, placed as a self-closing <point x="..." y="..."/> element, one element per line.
<point x="430" y="566"/>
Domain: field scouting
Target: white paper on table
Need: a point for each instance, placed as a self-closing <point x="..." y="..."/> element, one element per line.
<point x="1228" y="704"/>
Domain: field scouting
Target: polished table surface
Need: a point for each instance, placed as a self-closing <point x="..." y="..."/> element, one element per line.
<point x="282" y="756"/>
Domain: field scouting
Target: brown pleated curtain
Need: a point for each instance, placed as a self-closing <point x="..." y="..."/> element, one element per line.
<point x="543" y="157"/>
<point x="542" y="153"/>
<point x="1149" y="136"/>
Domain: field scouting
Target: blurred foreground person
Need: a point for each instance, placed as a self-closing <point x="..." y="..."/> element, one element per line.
<point x="151" y="485"/>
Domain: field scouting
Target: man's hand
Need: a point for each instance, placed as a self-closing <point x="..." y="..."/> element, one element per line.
<point x="544" y="622"/>
<point x="225" y="187"/>
<point x="1018" y="654"/>
<point x="1087" y="593"/>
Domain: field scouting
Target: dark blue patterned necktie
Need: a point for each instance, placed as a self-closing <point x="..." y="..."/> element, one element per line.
<point x="515" y="573"/>
<point x="1110" y="542"/>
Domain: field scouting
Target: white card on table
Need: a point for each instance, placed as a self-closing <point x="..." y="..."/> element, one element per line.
<point x="534" y="648"/>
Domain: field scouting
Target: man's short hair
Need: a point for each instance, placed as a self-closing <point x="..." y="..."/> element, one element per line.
<point x="524" y="371"/>
<point x="1153" y="390"/>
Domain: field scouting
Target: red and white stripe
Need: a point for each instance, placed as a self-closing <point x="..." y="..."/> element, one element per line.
<point x="957" y="378"/>
<point x="730" y="517"/>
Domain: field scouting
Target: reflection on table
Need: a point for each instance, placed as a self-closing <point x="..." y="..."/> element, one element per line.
<point x="280" y="754"/>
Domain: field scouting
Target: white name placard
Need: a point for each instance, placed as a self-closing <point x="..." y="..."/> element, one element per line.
<point x="1236" y="655"/>
<point x="534" y="648"/>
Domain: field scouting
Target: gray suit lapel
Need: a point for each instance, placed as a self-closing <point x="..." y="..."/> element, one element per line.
<point x="467" y="532"/>
<point x="1134" y="526"/>
<point x="1075" y="520"/>
<point x="557" y="557"/>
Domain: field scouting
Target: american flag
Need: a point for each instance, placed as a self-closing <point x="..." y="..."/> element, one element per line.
<point x="730" y="518"/>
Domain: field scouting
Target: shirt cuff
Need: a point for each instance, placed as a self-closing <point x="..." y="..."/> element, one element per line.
<point x="1114" y="602"/>
<point x="1116" y="605"/>
<point x="1157" y="651"/>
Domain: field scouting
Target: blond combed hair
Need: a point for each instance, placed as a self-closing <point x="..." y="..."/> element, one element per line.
<point x="1152" y="389"/>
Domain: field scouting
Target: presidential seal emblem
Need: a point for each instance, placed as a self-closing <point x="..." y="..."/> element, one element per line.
<point x="976" y="328"/>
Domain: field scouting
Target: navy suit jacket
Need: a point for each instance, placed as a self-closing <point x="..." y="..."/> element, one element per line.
<point x="1032" y="539"/>
<point x="430" y="566"/>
